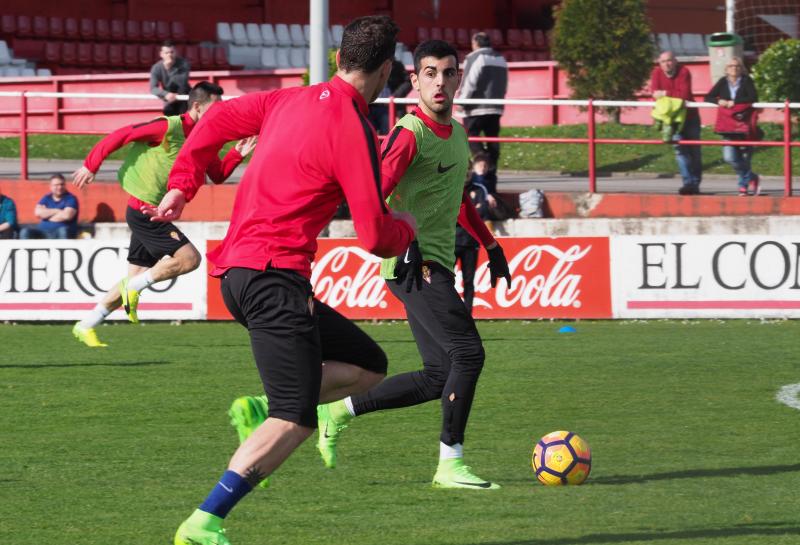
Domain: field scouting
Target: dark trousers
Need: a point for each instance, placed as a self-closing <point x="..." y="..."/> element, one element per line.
<point x="468" y="255"/>
<point x="489" y="125"/>
<point x="452" y="356"/>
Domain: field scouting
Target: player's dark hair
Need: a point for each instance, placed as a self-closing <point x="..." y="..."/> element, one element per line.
<point x="438" y="49"/>
<point x="482" y="39"/>
<point x="57" y="176"/>
<point x="167" y="43"/>
<point x="202" y="92"/>
<point x="367" y="43"/>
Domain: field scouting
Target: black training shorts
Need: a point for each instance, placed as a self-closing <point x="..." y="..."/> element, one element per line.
<point x="345" y="342"/>
<point x="151" y="240"/>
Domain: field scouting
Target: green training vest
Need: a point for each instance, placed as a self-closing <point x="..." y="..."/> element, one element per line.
<point x="431" y="191"/>
<point x="146" y="168"/>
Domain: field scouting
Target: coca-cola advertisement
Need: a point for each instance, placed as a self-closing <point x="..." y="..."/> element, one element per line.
<point x="550" y="278"/>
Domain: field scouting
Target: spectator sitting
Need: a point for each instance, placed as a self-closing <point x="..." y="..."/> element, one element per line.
<point x="58" y="212"/>
<point x="735" y="93"/>
<point x="8" y="217"/>
<point x="482" y="178"/>
<point x="169" y="78"/>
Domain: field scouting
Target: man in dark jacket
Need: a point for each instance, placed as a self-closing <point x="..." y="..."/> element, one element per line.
<point x="169" y="78"/>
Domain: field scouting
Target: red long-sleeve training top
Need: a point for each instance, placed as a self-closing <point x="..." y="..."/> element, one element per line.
<point x="152" y="132"/>
<point x="398" y="152"/>
<point x="315" y="147"/>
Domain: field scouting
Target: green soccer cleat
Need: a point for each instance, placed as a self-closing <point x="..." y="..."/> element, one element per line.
<point x="87" y="336"/>
<point x="247" y="413"/>
<point x="201" y="529"/>
<point x="452" y="473"/>
<point x="329" y="429"/>
<point x="130" y="301"/>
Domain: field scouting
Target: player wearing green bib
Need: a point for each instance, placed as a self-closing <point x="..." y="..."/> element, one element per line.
<point x="143" y="176"/>
<point x="425" y="162"/>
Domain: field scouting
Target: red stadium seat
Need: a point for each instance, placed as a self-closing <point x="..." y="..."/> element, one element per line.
<point x="514" y="38"/>
<point x="514" y="55"/>
<point x="69" y="53"/>
<point x="422" y="34"/>
<point x="27" y="48"/>
<point x="220" y="57"/>
<point x="463" y="39"/>
<point x="148" y="30"/>
<point x="87" y="29"/>
<point x="192" y="55"/>
<point x="72" y="30"/>
<point x="496" y="37"/>
<point x="115" y="56"/>
<point x="24" y="26"/>
<point x="436" y="33"/>
<point x="449" y="35"/>
<point x="529" y="56"/>
<point x="539" y="39"/>
<point x="178" y="31"/>
<point x="527" y="39"/>
<point x="8" y="25"/>
<point x="130" y="56"/>
<point x="40" y="26"/>
<point x="147" y="55"/>
<point x="100" y="54"/>
<point x="102" y="29"/>
<point x="55" y="27"/>
<point x="133" y="30"/>
<point x="52" y="52"/>
<point x="117" y="30"/>
<point x="84" y="53"/>
<point x="206" y="58"/>
<point x="163" y="31"/>
<point x="542" y="55"/>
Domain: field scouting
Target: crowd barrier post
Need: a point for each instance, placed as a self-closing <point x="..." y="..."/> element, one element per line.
<point x="787" y="150"/>
<point x="592" y="149"/>
<point x="23" y="135"/>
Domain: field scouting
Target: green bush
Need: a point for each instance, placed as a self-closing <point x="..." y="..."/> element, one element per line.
<point x="777" y="73"/>
<point x="605" y="47"/>
<point x="331" y="67"/>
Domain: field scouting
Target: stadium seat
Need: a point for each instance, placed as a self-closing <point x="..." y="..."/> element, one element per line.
<point x="100" y="54"/>
<point x="178" y="31"/>
<point x="39" y="26"/>
<point x="307" y="33"/>
<point x="297" y="36"/>
<point x="246" y="56"/>
<point x="253" y="31"/>
<point x="115" y="56"/>
<point x="87" y="29"/>
<point x="408" y="58"/>
<point x="191" y="54"/>
<point x="449" y="35"/>
<point x="102" y="30"/>
<point x="336" y="34"/>
<point x="28" y="72"/>
<point x="220" y="57"/>
<point x="496" y="37"/>
<point x="297" y="57"/>
<point x="423" y="34"/>
<point x="436" y="33"/>
<point x="675" y="43"/>
<point x="514" y="55"/>
<point x="542" y="55"/>
<point x="11" y="72"/>
<point x="268" y="35"/>
<point x="117" y="30"/>
<point x="239" y="33"/>
<point x="514" y="38"/>
<point x="5" y="54"/>
<point x="269" y="58"/>
<point x="224" y="33"/>
<point x="147" y="55"/>
<point x="282" y="35"/>
<point x="133" y="30"/>
<point x="52" y="52"/>
<point x="163" y="31"/>
<point x="24" y="26"/>
<point x="43" y="72"/>
<point x="71" y="28"/>
<point x="206" y="57"/>
<point x="148" y="31"/>
<point x="539" y="39"/>
<point x="693" y="44"/>
<point x="55" y="27"/>
<point x="463" y="39"/>
<point x="69" y="53"/>
<point x="130" y="56"/>
<point x="84" y="54"/>
<point x="527" y="39"/>
<point x="282" y="54"/>
<point x="8" y="25"/>
<point x="529" y="56"/>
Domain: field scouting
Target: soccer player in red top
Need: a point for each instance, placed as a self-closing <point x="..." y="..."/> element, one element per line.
<point x="143" y="176"/>
<point x="315" y="148"/>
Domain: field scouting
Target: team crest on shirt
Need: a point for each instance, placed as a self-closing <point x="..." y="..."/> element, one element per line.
<point x="324" y="94"/>
<point x="175" y="235"/>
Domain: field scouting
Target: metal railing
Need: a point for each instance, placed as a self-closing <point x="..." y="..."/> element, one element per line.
<point x="591" y="140"/>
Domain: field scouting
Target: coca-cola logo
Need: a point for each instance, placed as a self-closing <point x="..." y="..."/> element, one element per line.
<point x="336" y="284"/>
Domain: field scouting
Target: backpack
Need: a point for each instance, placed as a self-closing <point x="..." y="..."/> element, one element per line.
<point x="531" y="204"/>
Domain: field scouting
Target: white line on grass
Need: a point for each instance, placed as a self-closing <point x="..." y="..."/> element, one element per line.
<point x="788" y="395"/>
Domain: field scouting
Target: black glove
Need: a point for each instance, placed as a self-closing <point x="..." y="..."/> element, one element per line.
<point x="498" y="266"/>
<point x="409" y="267"/>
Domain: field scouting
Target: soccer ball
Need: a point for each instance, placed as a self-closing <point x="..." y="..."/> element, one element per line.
<point x="561" y="457"/>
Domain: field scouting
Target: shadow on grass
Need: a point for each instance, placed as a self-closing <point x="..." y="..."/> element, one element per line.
<point x="768" y="529"/>
<point x="620" y="166"/>
<point x="694" y="473"/>
<point x="97" y="364"/>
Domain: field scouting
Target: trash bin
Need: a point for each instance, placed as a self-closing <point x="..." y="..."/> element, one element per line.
<point x="721" y="47"/>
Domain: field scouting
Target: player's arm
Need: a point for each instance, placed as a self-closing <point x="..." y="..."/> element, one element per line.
<point x="357" y="167"/>
<point x="470" y="220"/>
<point x="151" y="132"/>
<point x="397" y="153"/>
<point x="219" y="171"/>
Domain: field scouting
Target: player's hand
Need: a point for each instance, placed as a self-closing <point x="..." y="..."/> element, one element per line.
<point x="169" y="209"/>
<point x="407" y="217"/>
<point x="409" y="267"/>
<point x="171" y="97"/>
<point x="246" y="145"/>
<point x="82" y="177"/>
<point x="498" y="266"/>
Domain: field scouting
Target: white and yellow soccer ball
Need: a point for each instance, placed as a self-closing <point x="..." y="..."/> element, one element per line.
<point x="561" y="457"/>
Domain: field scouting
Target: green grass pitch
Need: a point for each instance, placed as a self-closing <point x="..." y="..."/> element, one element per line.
<point x="690" y="446"/>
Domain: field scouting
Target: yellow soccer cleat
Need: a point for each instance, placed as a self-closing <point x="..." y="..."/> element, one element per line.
<point x="130" y="301"/>
<point x="87" y="336"/>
